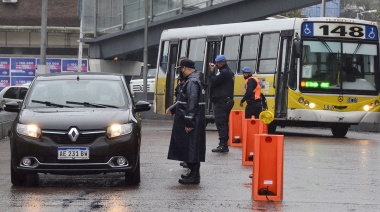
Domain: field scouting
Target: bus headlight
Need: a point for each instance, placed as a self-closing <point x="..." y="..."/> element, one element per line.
<point x="366" y="107"/>
<point x="301" y="100"/>
<point x="312" y="105"/>
<point x="30" y="130"/>
<point x="377" y="103"/>
<point x="118" y="130"/>
<point x="306" y="103"/>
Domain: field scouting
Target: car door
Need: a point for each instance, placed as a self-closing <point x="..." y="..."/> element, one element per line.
<point x="12" y="94"/>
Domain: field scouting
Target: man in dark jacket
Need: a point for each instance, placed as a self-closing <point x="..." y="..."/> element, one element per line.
<point x="252" y="94"/>
<point x="188" y="140"/>
<point x="222" y="93"/>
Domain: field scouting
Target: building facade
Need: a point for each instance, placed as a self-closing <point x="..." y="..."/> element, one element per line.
<point x="332" y="9"/>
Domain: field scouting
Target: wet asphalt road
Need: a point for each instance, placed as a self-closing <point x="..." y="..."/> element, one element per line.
<point x="321" y="173"/>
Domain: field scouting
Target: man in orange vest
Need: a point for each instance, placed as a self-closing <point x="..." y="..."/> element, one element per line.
<point x="252" y="94"/>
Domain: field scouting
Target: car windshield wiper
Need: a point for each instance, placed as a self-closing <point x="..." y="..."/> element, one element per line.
<point x="88" y="104"/>
<point x="51" y="104"/>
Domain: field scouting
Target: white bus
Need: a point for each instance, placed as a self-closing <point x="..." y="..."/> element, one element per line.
<point x="300" y="64"/>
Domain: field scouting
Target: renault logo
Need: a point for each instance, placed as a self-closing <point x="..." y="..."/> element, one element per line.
<point x="73" y="134"/>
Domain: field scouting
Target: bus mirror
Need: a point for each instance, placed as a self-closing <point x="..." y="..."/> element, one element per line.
<point x="297" y="48"/>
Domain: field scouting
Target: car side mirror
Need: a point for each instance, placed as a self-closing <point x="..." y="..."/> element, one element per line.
<point x="12" y="107"/>
<point x="141" y="106"/>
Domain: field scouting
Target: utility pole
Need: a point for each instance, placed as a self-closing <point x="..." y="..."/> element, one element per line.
<point x="43" y="68"/>
<point x="43" y="31"/>
<point x="145" y="69"/>
<point x="80" y="48"/>
<point x="323" y="8"/>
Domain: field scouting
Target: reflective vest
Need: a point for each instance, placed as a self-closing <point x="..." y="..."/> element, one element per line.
<point x="257" y="90"/>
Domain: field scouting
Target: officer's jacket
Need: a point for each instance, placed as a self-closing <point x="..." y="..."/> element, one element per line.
<point x="222" y="83"/>
<point x="189" y="112"/>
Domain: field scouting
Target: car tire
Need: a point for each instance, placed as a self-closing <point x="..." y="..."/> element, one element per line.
<point x="17" y="178"/>
<point x="133" y="178"/>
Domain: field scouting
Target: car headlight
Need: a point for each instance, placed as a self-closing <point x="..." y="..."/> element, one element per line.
<point x="118" y="130"/>
<point x="30" y="130"/>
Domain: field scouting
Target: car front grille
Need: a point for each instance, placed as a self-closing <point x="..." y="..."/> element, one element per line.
<point x="140" y="87"/>
<point x="63" y="137"/>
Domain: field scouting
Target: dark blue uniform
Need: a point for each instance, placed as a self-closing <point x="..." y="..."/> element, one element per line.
<point x="222" y="93"/>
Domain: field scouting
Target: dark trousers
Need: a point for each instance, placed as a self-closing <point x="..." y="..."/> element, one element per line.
<point x="222" y="114"/>
<point x="253" y="109"/>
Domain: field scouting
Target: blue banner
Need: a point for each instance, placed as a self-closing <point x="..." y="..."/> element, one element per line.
<point x="71" y="65"/>
<point x="23" y="67"/>
<point x="4" y="67"/>
<point x="21" y="80"/>
<point x="4" y="82"/>
<point x="55" y="64"/>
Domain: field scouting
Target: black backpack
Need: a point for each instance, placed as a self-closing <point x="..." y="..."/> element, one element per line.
<point x="264" y="104"/>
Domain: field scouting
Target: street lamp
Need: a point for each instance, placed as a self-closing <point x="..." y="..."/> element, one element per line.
<point x="359" y="15"/>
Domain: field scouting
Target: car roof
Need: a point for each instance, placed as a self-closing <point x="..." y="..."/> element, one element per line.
<point x="12" y="86"/>
<point x="80" y="75"/>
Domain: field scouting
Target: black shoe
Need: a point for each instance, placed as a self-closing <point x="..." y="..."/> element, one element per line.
<point x="184" y="165"/>
<point x="193" y="178"/>
<point x="220" y="149"/>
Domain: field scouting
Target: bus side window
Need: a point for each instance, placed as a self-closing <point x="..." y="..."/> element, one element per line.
<point x="268" y="52"/>
<point x="248" y="53"/>
<point x="182" y="54"/>
<point x="197" y="52"/>
<point x="164" y="56"/>
<point x="231" y="51"/>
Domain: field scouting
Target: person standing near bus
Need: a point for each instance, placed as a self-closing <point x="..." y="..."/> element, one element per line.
<point x="252" y="94"/>
<point x="222" y="93"/>
<point x="188" y="140"/>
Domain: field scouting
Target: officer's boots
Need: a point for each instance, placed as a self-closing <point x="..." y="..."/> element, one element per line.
<point x="193" y="177"/>
<point x="223" y="147"/>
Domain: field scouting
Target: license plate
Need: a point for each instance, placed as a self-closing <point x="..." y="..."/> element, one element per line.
<point x="73" y="153"/>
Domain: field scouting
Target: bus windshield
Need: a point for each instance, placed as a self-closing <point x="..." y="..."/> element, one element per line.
<point x="338" y="67"/>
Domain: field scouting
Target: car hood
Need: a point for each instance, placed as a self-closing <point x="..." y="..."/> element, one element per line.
<point x="83" y="119"/>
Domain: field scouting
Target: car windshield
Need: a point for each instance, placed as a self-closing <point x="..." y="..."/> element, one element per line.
<point x="78" y="93"/>
<point x="337" y="67"/>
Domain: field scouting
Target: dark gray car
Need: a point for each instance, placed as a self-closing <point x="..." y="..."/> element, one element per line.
<point x="77" y="123"/>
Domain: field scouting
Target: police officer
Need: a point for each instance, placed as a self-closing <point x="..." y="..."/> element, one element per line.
<point x="222" y="93"/>
<point x="188" y="140"/>
<point x="252" y="94"/>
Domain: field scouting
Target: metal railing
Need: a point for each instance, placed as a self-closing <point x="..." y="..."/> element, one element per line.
<point x="109" y="16"/>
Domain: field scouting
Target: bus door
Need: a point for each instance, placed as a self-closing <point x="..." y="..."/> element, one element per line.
<point x="282" y="74"/>
<point x="171" y="73"/>
<point x="213" y="49"/>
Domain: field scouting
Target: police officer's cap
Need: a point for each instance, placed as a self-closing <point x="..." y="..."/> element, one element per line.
<point x="186" y="63"/>
<point x="220" y="58"/>
<point x="246" y="70"/>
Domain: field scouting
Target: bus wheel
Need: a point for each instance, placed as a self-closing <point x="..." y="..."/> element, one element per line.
<point x="339" y="131"/>
<point x="271" y="129"/>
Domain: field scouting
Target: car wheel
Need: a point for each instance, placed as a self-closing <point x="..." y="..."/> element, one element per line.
<point x="134" y="177"/>
<point x="17" y="178"/>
